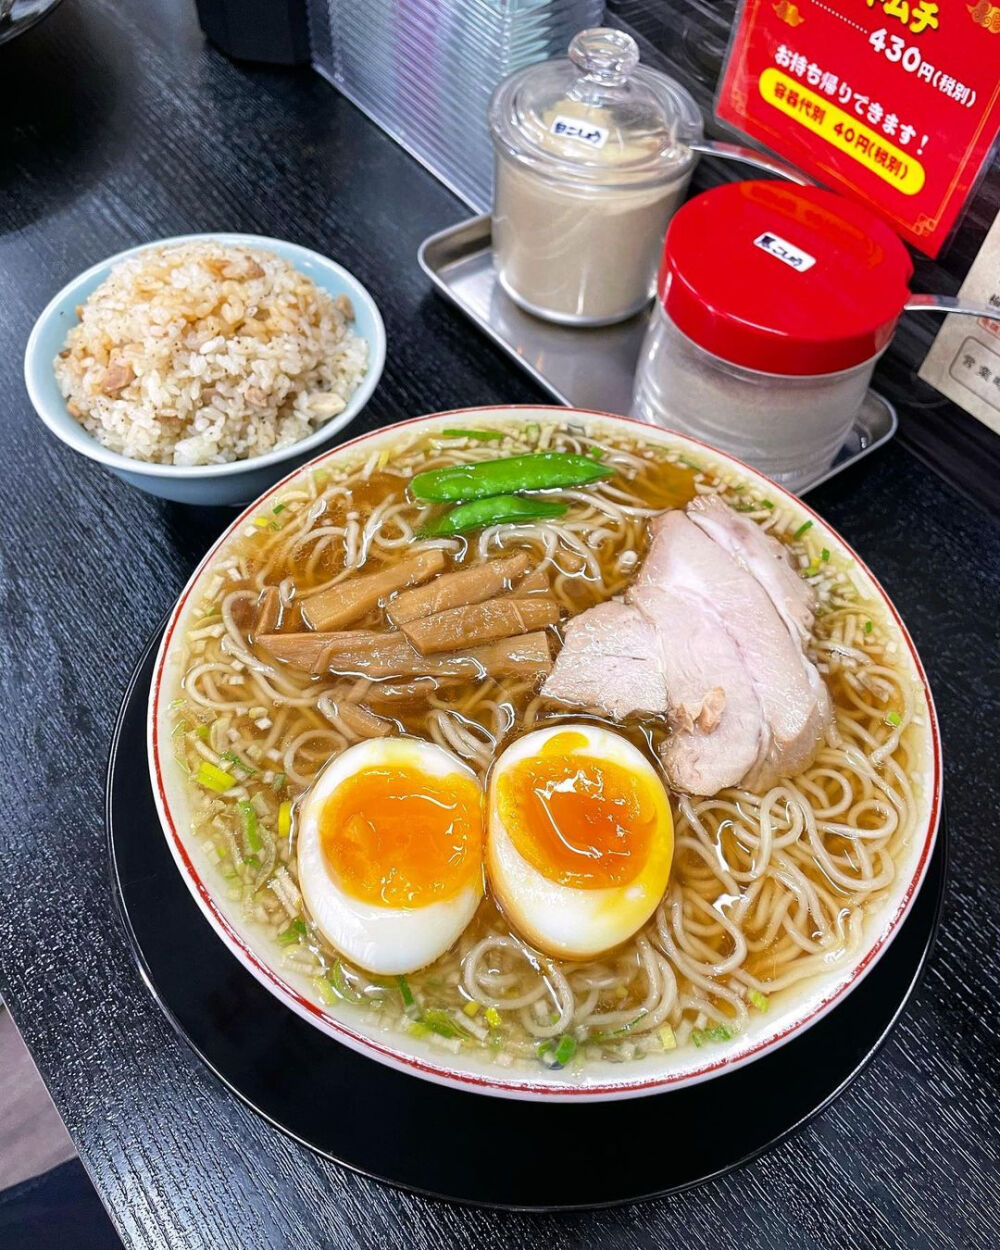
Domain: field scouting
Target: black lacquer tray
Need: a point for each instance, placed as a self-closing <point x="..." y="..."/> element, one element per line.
<point x="446" y="1143"/>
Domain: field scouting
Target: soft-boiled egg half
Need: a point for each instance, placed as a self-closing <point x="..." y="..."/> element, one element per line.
<point x="390" y="852"/>
<point x="580" y="839"/>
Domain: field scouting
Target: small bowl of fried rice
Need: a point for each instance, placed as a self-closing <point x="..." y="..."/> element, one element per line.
<point x="204" y="368"/>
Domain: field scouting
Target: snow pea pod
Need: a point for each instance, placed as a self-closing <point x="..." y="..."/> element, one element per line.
<point x="540" y="470"/>
<point x="477" y="514"/>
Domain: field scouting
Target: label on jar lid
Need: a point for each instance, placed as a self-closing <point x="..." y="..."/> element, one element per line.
<point x="793" y="256"/>
<point x="576" y="128"/>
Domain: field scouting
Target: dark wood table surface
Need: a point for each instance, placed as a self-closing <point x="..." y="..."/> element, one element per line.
<point x="118" y="125"/>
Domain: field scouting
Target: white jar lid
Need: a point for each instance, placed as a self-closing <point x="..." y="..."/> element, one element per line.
<point x="597" y="117"/>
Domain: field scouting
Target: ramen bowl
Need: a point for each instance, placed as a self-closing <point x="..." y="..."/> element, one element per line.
<point x="621" y="1060"/>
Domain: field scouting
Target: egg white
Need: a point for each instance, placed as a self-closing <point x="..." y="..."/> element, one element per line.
<point x="383" y="940"/>
<point x="566" y="921"/>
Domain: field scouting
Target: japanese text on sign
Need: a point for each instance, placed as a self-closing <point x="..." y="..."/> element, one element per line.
<point x="895" y="101"/>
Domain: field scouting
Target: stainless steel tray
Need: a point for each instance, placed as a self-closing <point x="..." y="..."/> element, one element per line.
<point x="582" y="368"/>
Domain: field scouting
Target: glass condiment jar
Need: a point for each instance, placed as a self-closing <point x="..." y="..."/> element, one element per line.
<point x="775" y="302"/>
<point x="592" y="159"/>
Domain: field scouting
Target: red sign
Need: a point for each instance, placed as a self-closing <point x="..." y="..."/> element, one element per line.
<point x="894" y="101"/>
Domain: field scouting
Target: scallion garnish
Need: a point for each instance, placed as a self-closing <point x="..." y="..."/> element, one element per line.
<point x="278" y="783"/>
<point x="279" y="507"/>
<point x="557" y="1052"/>
<point x="325" y="990"/>
<point x="235" y="760"/>
<point x="284" y="820"/>
<point x="611" y="1034"/>
<point x="251" y="833"/>
<point x="405" y="993"/>
<point x="292" y="934"/>
<point x="481" y="436"/>
<point x="767" y="503"/>
<point x="214" y="778"/>
<point x="894" y="719"/>
<point x="342" y="987"/>
<point x="203" y="732"/>
<point x="868" y="627"/>
<point x="758" y="1000"/>
<point x="824" y="555"/>
<point x="493" y="1018"/>
<point x="804" y="528"/>
<point x="443" y="1023"/>
<point x="717" y="1033"/>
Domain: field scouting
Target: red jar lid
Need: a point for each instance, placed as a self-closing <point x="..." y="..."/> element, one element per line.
<point x="782" y="278"/>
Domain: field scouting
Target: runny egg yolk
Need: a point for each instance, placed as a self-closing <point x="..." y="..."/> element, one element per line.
<point x="580" y="821"/>
<point x="398" y="837"/>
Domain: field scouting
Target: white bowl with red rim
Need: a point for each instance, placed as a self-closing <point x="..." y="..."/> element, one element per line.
<point x="790" y="1013"/>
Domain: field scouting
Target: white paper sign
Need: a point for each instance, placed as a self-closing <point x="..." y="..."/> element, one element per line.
<point x="964" y="360"/>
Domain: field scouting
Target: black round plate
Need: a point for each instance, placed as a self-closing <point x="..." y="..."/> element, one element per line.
<point x="435" y="1140"/>
<point x="23" y="16"/>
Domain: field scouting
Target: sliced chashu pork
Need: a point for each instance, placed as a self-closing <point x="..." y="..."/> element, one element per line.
<point x="718" y="596"/>
<point x="725" y="662"/>
<point x="610" y="659"/>
<point x="762" y="556"/>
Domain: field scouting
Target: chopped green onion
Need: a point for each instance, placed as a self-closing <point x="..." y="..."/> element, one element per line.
<point x="342" y="987"/>
<point x="203" y="732"/>
<point x="493" y="1018"/>
<point x="668" y="1038"/>
<point x="284" y="820"/>
<point x="213" y="778"/>
<point x="471" y="1009"/>
<point x="480" y="513"/>
<point x="804" y="528"/>
<point x="235" y="760"/>
<point x="176" y="703"/>
<point x="252" y="861"/>
<point x="758" y="1000"/>
<point x="251" y="834"/>
<point x="292" y="934"/>
<point x="868" y="627"/>
<point x="405" y="993"/>
<point x="596" y="453"/>
<point x="418" y="1029"/>
<point x="443" y="1023"/>
<point x="181" y="727"/>
<point x="611" y="1034"/>
<point x="557" y="1053"/>
<point x="261" y="522"/>
<point x="717" y="1033"/>
<point x="325" y="990"/>
<point x="824" y="555"/>
<point x="539" y="470"/>
<point x="894" y="719"/>
<point x="279" y="507"/>
<point x="278" y="783"/>
<point x="482" y="436"/>
<point x="764" y="503"/>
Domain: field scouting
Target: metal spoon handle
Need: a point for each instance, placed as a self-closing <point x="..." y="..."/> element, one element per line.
<point x="748" y="156"/>
<point x="949" y="304"/>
